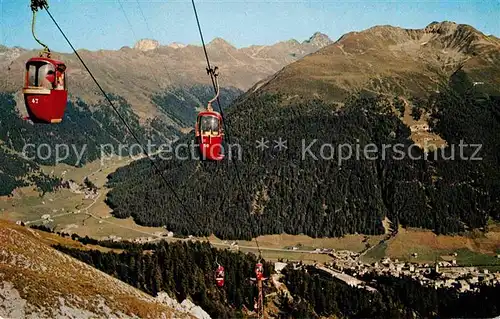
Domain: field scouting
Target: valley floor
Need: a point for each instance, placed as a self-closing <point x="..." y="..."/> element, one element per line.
<point x="82" y="212"/>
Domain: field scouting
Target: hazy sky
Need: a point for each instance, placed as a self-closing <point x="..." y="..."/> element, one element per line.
<point x="101" y="24"/>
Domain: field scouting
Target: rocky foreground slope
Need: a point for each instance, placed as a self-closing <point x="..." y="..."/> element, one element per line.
<point x="37" y="281"/>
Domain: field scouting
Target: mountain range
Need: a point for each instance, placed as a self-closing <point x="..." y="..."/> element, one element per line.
<point x="392" y="60"/>
<point x="375" y="87"/>
<point x="157" y="89"/>
<point x="138" y="73"/>
<point x="412" y="72"/>
<point x="368" y="88"/>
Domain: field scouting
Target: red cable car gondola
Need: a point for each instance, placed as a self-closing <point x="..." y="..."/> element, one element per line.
<point x="259" y="271"/>
<point x="209" y="134"/>
<point x="219" y="276"/>
<point x="45" y="93"/>
<point x="208" y="131"/>
<point x="44" y="90"/>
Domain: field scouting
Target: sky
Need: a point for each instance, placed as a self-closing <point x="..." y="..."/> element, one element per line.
<point x="102" y="24"/>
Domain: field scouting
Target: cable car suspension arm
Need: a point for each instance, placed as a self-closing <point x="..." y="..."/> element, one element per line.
<point x="213" y="73"/>
<point x="35" y="5"/>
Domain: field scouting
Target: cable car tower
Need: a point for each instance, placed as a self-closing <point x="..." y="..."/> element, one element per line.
<point x="259" y="278"/>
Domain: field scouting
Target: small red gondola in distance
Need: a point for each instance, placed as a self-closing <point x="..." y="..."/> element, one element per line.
<point x="219" y="276"/>
<point x="259" y="271"/>
<point x="44" y="91"/>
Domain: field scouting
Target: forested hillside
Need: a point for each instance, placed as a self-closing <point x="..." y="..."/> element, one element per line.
<point x="83" y="131"/>
<point x="182" y="270"/>
<point x="87" y="133"/>
<point x="96" y="125"/>
<point x="76" y="141"/>
<point x="186" y="270"/>
<point x="182" y="105"/>
<point x="16" y="172"/>
<point x="275" y="191"/>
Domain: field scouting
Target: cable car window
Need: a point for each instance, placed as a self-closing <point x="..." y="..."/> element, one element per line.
<point x="46" y="76"/>
<point x="32" y="77"/>
<point x="41" y="74"/>
<point x="60" y="77"/>
<point x="209" y="124"/>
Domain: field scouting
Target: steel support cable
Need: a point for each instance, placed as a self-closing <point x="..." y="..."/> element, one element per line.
<point x="135" y="36"/>
<point x="212" y="74"/>
<point x="170" y="187"/>
<point x="150" y="32"/>
<point x="35" y="5"/>
<point x="147" y="25"/>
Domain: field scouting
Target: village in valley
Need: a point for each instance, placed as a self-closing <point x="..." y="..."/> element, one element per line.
<point x="346" y="266"/>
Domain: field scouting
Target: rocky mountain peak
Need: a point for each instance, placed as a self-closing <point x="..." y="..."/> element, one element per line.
<point x="220" y="42"/>
<point x="146" y="45"/>
<point x="319" y="39"/>
<point x="293" y="42"/>
<point x="357" y="58"/>
<point x="176" y="45"/>
<point x="247" y="66"/>
<point x="441" y="27"/>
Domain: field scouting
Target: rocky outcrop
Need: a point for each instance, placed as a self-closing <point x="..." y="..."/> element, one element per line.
<point x="37" y="281"/>
<point x="147" y="45"/>
<point x="186" y="306"/>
